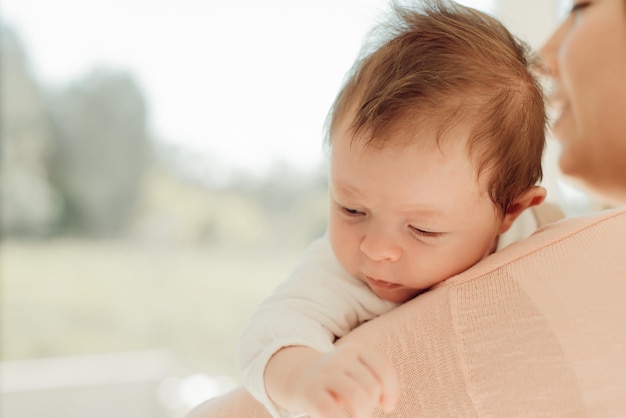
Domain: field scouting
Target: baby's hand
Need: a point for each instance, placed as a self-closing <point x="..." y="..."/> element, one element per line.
<point x="359" y="378"/>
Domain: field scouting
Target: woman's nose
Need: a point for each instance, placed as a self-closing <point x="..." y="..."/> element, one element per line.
<point x="380" y="245"/>
<point x="549" y="51"/>
<point x="548" y="64"/>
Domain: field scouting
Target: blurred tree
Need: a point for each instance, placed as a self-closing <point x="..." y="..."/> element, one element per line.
<point x="294" y="202"/>
<point x="102" y="151"/>
<point x="30" y="205"/>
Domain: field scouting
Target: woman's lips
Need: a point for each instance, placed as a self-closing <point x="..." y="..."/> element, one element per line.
<point x="381" y="284"/>
<point x="558" y="105"/>
<point x="558" y="120"/>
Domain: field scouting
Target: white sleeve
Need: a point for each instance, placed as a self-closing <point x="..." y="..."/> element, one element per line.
<point x="317" y="303"/>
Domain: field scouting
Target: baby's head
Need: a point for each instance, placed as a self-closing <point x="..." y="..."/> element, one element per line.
<point x="436" y="141"/>
<point x="444" y="65"/>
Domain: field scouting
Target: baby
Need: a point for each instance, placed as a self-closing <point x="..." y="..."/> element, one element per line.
<point x="435" y="145"/>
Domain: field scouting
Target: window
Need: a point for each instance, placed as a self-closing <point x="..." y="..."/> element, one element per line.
<point x="162" y="172"/>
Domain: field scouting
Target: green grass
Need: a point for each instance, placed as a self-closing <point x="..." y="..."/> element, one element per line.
<point x="72" y="297"/>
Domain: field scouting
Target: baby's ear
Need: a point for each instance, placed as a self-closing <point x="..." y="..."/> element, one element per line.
<point x="531" y="197"/>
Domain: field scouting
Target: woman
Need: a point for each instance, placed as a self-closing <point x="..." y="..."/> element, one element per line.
<point x="539" y="328"/>
<point x="586" y="58"/>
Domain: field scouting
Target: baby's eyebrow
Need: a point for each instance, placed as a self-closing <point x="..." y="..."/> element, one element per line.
<point x="425" y="212"/>
<point x="413" y="210"/>
<point x="347" y="189"/>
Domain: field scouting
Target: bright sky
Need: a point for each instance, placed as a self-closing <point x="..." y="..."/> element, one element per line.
<point x="246" y="81"/>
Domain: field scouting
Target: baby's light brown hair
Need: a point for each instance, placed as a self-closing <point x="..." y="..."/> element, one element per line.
<point x="443" y="63"/>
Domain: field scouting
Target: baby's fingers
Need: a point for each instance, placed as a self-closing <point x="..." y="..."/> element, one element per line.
<point x="383" y="371"/>
<point x="322" y="405"/>
<point x="351" y="393"/>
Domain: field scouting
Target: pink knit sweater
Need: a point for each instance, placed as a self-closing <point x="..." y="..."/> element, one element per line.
<point x="537" y="329"/>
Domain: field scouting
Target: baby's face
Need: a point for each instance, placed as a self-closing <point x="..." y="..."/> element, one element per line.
<point x="406" y="217"/>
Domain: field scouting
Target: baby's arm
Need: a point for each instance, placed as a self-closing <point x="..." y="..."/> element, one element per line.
<point x="357" y="377"/>
<point x="317" y="303"/>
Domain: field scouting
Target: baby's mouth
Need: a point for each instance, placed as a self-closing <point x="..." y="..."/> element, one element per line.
<point x="381" y="284"/>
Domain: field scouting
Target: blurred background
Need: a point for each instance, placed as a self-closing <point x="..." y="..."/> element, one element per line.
<point x="162" y="171"/>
